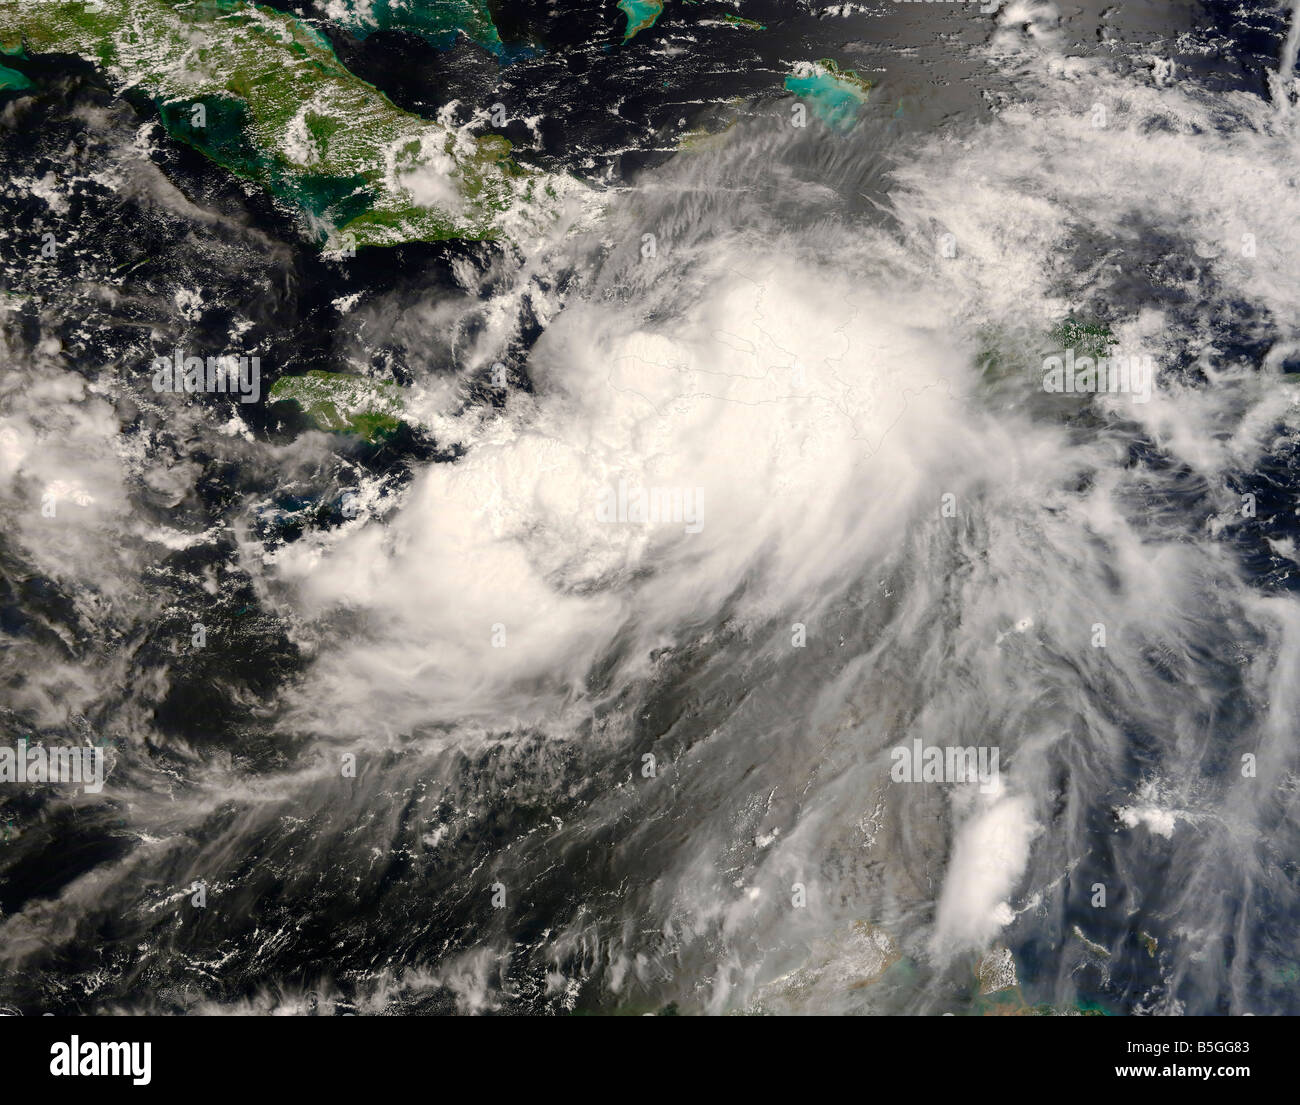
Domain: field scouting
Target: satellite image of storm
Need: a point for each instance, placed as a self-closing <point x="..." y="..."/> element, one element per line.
<point x="658" y="507"/>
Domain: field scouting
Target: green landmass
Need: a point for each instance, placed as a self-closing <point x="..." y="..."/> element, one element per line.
<point x="1087" y="339"/>
<point x="342" y="403"/>
<point x="640" y="14"/>
<point x="836" y="94"/>
<point x="263" y="94"/>
<point x="741" y="21"/>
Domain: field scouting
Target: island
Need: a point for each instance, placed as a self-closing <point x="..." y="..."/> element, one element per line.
<point x="263" y="94"/>
<point x="342" y="403"/>
<point x="640" y="14"/>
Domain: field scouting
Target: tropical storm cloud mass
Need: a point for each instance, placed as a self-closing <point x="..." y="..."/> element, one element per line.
<point x="748" y="506"/>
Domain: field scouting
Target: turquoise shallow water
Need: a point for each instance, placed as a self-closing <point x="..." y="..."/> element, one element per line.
<point x="836" y="101"/>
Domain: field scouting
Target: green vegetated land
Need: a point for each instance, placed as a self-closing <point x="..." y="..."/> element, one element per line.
<point x="1087" y="339"/>
<point x="342" y="403"/>
<point x="263" y="94"/>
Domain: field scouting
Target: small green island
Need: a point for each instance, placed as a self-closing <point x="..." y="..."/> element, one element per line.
<point x="1087" y="339"/>
<point x="342" y="403"/>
